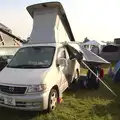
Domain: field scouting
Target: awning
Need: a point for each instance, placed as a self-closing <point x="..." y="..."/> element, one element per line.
<point x="82" y="54"/>
<point x="91" y="58"/>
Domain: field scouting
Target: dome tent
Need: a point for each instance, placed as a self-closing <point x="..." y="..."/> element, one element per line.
<point x="116" y="71"/>
<point x="94" y="46"/>
<point x="93" y="42"/>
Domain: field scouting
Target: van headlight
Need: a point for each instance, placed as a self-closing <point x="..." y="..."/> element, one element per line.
<point x="36" y="88"/>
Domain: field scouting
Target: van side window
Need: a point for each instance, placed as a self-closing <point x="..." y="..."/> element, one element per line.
<point x="61" y="53"/>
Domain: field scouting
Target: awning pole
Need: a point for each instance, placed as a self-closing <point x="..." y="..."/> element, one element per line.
<point x="101" y="80"/>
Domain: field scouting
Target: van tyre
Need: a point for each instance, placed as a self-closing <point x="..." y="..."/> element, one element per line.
<point x="53" y="99"/>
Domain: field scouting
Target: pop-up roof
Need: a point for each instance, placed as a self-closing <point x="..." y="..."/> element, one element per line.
<point x="50" y="23"/>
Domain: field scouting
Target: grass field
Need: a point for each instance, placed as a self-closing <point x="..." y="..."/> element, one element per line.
<point x="79" y="105"/>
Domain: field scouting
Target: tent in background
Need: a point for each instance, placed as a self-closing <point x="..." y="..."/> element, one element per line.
<point x="88" y="45"/>
<point x="117" y="67"/>
<point x="95" y="46"/>
<point x="93" y="42"/>
<point x="116" y="71"/>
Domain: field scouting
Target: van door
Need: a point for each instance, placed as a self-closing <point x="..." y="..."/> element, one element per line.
<point x="62" y="71"/>
<point x="71" y="66"/>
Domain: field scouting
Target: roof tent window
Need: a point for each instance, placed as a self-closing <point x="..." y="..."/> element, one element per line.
<point x="110" y="48"/>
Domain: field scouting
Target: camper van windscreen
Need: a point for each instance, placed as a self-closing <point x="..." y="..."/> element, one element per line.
<point x="33" y="57"/>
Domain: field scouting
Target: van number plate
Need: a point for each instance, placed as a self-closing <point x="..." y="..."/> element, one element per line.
<point x="9" y="101"/>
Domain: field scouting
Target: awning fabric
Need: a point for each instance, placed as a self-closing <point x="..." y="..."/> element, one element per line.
<point x="85" y="55"/>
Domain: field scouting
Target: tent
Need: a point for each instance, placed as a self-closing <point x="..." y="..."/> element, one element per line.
<point x="116" y="71"/>
<point x="93" y="42"/>
<point x="117" y="67"/>
<point x="98" y="45"/>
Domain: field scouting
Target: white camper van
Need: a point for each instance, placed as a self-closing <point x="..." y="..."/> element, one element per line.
<point x="43" y="68"/>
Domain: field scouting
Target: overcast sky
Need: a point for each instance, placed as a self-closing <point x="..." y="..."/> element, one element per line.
<point x="95" y="19"/>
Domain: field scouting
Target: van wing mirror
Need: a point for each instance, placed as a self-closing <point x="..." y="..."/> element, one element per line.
<point x="62" y="62"/>
<point x="8" y="60"/>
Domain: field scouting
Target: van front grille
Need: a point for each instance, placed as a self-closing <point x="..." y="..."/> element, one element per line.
<point x="12" y="89"/>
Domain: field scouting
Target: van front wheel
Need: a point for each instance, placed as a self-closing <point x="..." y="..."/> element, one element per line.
<point x="53" y="97"/>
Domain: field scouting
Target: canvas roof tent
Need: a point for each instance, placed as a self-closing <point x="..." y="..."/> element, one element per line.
<point x="50" y="23"/>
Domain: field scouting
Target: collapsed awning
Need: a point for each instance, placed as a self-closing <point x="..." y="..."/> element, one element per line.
<point x="91" y="58"/>
<point x="85" y="55"/>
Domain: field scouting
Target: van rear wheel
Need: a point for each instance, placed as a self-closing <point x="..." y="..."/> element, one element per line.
<point x="53" y="99"/>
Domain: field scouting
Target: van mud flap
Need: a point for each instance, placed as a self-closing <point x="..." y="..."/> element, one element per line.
<point x="87" y="58"/>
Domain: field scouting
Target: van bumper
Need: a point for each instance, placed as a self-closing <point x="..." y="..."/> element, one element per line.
<point x="31" y="102"/>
